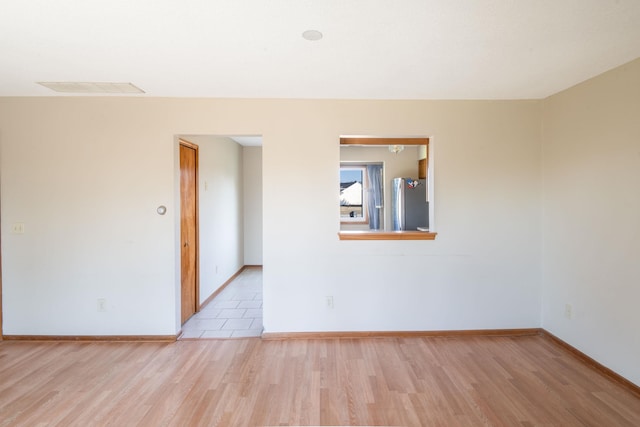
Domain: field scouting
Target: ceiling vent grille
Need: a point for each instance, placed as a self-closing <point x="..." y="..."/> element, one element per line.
<point x="91" y="87"/>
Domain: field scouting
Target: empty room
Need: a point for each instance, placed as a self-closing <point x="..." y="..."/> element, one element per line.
<point x="320" y="213"/>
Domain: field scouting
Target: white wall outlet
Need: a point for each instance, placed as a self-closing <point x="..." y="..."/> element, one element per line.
<point x="329" y="302"/>
<point x="216" y="269"/>
<point x="568" y="311"/>
<point x="17" y="228"/>
<point x="102" y="304"/>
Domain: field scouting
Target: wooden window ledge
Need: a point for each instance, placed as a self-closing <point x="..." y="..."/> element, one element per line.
<point x="386" y="235"/>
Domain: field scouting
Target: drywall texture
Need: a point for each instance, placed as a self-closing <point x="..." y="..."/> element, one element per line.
<point x="85" y="176"/>
<point x="221" y="211"/>
<point x="252" y="169"/>
<point x="482" y="271"/>
<point x="591" y="218"/>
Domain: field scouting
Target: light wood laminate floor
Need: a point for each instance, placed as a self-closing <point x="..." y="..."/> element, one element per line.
<point x="435" y="381"/>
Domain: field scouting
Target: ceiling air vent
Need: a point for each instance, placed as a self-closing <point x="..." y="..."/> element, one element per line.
<point x="91" y="87"/>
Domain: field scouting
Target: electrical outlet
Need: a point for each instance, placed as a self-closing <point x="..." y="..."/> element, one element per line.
<point x="102" y="304"/>
<point x="329" y="302"/>
<point x="568" y="311"/>
<point x="17" y="228"/>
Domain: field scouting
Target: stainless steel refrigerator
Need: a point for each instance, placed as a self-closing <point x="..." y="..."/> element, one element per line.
<point x="409" y="206"/>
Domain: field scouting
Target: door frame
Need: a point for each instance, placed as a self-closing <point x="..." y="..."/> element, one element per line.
<point x="185" y="143"/>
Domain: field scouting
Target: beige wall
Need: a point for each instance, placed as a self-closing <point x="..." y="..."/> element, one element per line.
<point x="221" y="210"/>
<point x="592" y="217"/>
<point x="477" y="274"/>
<point x="252" y="158"/>
<point x="86" y="175"/>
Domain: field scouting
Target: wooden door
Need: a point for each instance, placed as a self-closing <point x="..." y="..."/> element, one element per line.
<point x="189" y="228"/>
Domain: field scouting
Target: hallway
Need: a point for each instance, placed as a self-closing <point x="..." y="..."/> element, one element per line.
<point x="235" y="313"/>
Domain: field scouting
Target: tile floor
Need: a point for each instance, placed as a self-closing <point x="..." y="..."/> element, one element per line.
<point x="236" y="312"/>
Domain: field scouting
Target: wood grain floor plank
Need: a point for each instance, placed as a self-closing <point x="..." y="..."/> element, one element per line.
<point x="435" y="381"/>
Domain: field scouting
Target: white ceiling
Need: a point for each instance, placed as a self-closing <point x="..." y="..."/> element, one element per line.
<point x="248" y="141"/>
<point x="372" y="49"/>
<point x="245" y="141"/>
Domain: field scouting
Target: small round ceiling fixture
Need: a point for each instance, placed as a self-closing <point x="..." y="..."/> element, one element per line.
<point x="312" y="35"/>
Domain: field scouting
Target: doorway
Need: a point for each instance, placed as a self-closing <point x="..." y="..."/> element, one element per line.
<point x="229" y="179"/>
<point x="189" y="235"/>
